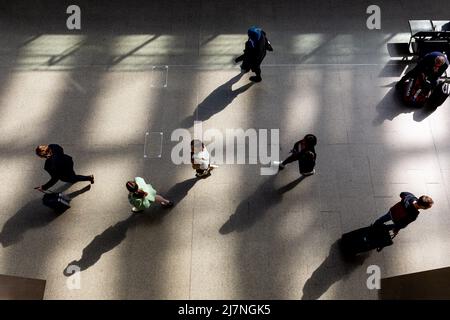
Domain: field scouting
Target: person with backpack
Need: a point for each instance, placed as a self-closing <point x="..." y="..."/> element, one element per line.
<point x="141" y="195"/>
<point x="59" y="165"/>
<point x="254" y="52"/>
<point x="405" y="211"/>
<point x="304" y="152"/>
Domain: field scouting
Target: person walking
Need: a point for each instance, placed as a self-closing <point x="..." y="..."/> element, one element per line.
<point x="141" y="195"/>
<point x="59" y="165"/>
<point x="405" y="211"/>
<point x="200" y="159"/>
<point x="254" y="52"/>
<point x="304" y="152"/>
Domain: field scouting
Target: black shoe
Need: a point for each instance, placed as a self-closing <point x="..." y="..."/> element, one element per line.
<point x="256" y="78"/>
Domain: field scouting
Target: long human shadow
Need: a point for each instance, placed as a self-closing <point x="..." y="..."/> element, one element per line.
<point x="290" y="185"/>
<point x="75" y="194"/>
<point x="216" y="101"/>
<point x="114" y="235"/>
<point x="335" y="267"/>
<point x="31" y="216"/>
<point x="102" y="243"/>
<point x="253" y="208"/>
<point x="179" y="191"/>
<point x="175" y="194"/>
<point x="390" y="107"/>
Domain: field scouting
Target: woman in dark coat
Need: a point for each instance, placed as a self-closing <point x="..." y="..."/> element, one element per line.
<point x="254" y="52"/>
<point x="59" y="166"/>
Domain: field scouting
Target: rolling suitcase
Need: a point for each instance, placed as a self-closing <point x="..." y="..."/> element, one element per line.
<point x="439" y="95"/>
<point x="416" y="92"/>
<point x="57" y="201"/>
<point x="365" y="239"/>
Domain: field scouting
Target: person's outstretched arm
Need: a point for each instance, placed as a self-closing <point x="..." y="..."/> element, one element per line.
<point x="50" y="183"/>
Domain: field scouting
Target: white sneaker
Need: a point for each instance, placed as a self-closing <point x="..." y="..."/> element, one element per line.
<point x="309" y="173"/>
<point x="278" y="164"/>
<point x="134" y="209"/>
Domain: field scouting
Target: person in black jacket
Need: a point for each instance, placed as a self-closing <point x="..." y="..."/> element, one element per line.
<point x="59" y="166"/>
<point x="432" y="66"/>
<point x="304" y="152"/>
<point x="254" y="52"/>
<point x="405" y="211"/>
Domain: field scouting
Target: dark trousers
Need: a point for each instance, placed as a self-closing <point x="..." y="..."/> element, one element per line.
<point x="256" y="68"/>
<point x="293" y="157"/>
<point x="69" y="178"/>
<point x="386" y="218"/>
<point x="75" y="178"/>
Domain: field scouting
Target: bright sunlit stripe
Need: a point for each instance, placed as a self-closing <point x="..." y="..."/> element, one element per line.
<point x="120" y="113"/>
<point x="222" y="49"/>
<point x="27" y="105"/>
<point x="307" y="43"/>
<point x="46" y="48"/>
<point x="145" y="50"/>
<point x="129" y="43"/>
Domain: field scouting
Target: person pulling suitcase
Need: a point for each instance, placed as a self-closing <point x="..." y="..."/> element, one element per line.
<point x="405" y="211"/>
<point x="380" y="233"/>
<point x="59" y="165"/>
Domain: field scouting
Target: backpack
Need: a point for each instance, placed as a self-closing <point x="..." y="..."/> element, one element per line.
<point x="398" y="212"/>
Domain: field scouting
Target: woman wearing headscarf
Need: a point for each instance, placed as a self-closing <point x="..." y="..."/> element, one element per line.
<point x="254" y="52"/>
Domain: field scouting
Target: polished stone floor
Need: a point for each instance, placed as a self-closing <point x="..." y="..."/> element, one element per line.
<point x="140" y="67"/>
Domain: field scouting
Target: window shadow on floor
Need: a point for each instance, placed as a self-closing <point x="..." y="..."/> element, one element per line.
<point x="335" y="267"/>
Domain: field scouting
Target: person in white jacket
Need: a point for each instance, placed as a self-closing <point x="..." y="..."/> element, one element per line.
<point x="200" y="159"/>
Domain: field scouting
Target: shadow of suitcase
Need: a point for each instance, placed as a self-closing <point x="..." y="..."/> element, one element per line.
<point x="366" y="239"/>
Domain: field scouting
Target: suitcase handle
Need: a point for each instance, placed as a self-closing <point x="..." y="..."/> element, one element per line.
<point x="46" y="191"/>
<point x="65" y="197"/>
<point x="392" y="237"/>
